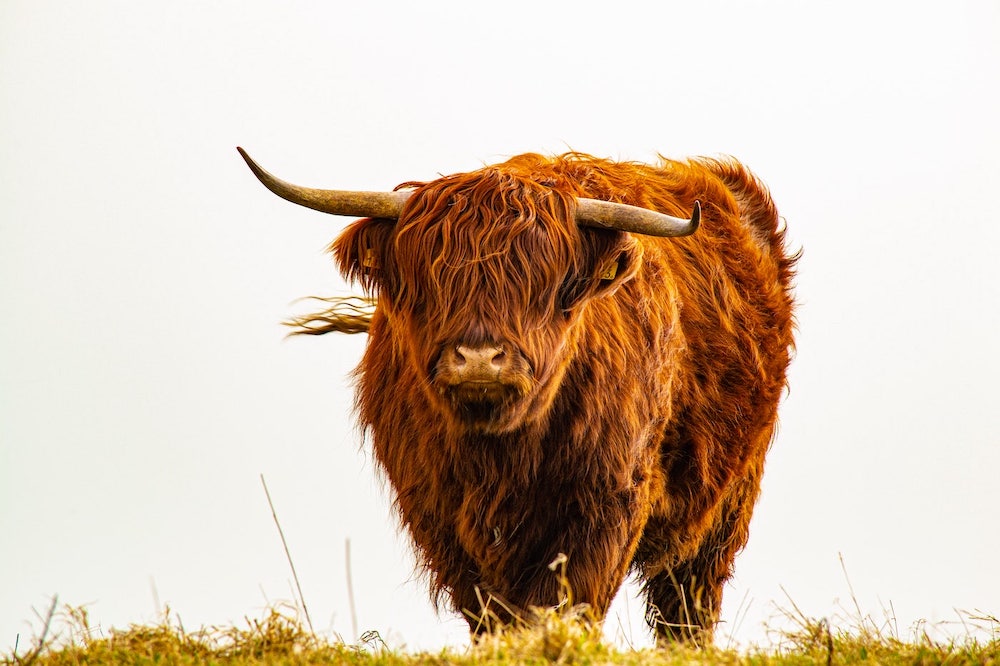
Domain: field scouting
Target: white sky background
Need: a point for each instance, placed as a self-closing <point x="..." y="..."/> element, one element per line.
<point x="145" y="383"/>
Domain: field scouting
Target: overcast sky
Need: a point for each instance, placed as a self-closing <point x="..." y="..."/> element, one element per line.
<point x="145" y="383"/>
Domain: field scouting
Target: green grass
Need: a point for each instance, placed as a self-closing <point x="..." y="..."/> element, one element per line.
<point x="281" y="638"/>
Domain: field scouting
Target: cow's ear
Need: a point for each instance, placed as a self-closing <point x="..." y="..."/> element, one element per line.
<point x="362" y="252"/>
<point x="608" y="259"/>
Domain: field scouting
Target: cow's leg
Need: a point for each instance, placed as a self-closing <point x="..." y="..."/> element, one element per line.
<point x="572" y="579"/>
<point x="596" y="560"/>
<point x="481" y="609"/>
<point x="683" y="602"/>
<point x="598" y="548"/>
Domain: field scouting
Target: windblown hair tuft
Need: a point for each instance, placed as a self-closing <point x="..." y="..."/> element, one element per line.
<point x="344" y="314"/>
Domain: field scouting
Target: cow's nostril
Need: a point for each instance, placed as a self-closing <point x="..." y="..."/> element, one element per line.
<point x="486" y="357"/>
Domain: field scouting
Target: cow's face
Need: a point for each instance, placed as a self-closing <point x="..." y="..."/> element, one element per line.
<point x="482" y="281"/>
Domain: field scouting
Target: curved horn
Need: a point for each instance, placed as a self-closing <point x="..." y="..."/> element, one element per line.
<point x="623" y="217"/>
<point x="335" y="202"/>
<point x="589" y="212"/>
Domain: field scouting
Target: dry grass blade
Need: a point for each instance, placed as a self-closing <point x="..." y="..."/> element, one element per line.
<point x="288" y="554"/>
<point x="350" y="590"/>
<point x="40" y="642"/>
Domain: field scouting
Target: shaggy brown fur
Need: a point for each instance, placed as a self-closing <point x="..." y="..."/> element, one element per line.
<point x="631" y="426"/>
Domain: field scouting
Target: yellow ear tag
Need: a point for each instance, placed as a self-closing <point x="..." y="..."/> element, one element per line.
<point x="369" y="260"/>
<point x="610" y="270"/>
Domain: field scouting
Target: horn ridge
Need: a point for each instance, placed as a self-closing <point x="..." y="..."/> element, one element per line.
<point x="625" y="217"/>
<point x="335" y="202"/>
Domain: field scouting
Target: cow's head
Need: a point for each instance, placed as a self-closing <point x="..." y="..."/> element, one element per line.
<point x="481" y="277"/>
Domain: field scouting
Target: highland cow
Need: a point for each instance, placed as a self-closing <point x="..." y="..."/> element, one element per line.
<point x="557" y="365"/>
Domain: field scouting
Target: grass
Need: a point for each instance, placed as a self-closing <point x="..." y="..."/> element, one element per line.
<point x="564" y="637"/>
<point x="561" y="635"/>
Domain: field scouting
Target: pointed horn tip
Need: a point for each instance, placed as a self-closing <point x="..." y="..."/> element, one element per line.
<point x="249" y="160"/>
<point x="695" y="221"/>
<point x="269" y="181"/>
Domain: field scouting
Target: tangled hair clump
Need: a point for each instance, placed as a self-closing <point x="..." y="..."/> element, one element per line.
<point x="345" y="314"/>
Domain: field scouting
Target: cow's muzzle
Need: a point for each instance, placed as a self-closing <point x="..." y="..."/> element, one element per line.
<point x="476" y="364"/>
<point x="481" y="381"/>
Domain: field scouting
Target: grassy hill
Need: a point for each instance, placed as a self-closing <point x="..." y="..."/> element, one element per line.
<point x="281" y="638"/>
